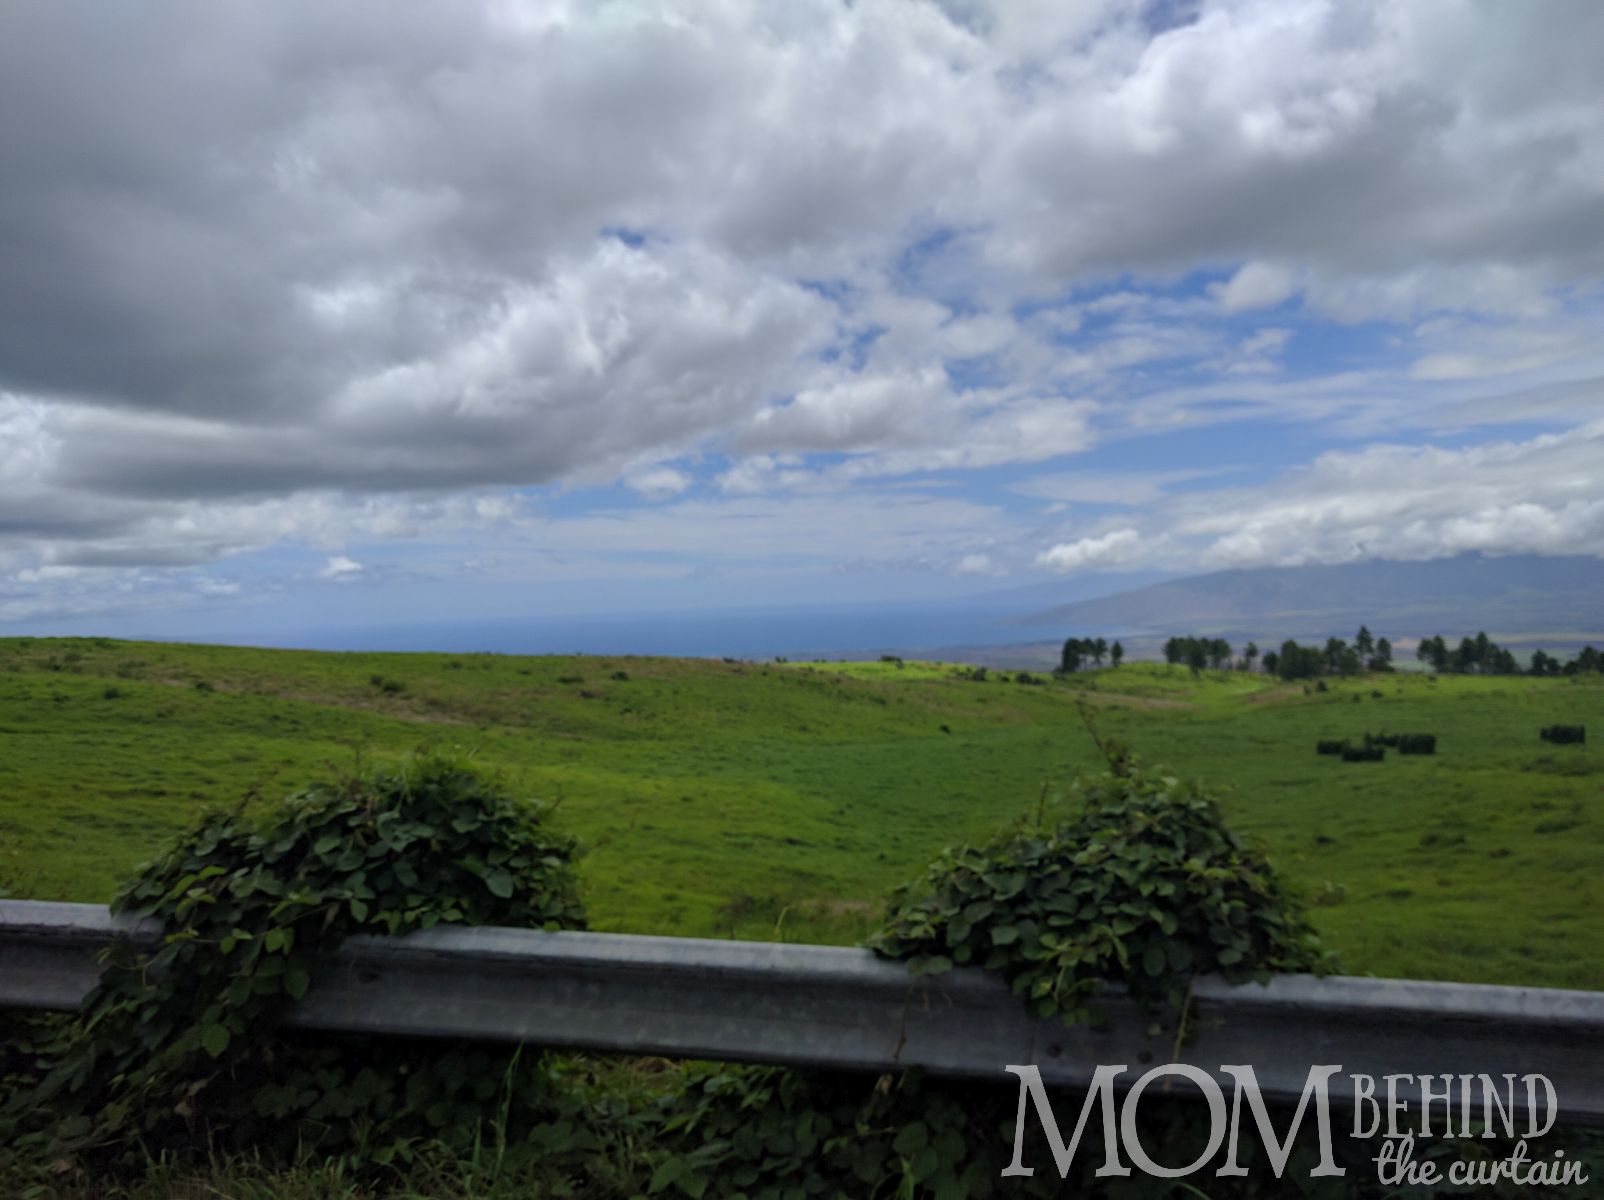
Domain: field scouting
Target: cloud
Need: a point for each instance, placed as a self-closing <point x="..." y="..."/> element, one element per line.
<point x="1412" y="502"/>
<point x="858" y="412"/>
<point x="1127" y="488"/>
<point x="1255" y="285"/>
<point x="340" y="567"/>
<point x="659" y="483"/>
<point x="1111" y="549"/>
<point x="1542" y="495"/>
<point x="305" y="274"/>
<point x="976" y="564"/>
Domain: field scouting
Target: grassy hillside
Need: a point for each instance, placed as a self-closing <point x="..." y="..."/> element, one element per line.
<point x="753" y="800"/>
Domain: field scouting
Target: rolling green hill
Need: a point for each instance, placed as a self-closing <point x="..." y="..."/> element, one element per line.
<point x="783" y="801"/>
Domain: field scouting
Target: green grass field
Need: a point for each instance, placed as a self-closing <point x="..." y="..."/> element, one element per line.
<point x="784" y="801"/>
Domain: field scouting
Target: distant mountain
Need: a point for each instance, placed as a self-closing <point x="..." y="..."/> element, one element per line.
<point x="1519" y="594"/>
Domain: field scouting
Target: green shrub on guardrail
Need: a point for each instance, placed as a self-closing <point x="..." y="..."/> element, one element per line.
<point x="1140" y="883"/>
<point x="178" y="1049"/>
<point x="1144" y="884"/>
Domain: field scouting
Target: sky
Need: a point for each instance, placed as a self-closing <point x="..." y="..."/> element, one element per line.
<point x="320" y="312"/>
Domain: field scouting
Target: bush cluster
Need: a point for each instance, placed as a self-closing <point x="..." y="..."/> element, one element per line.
<point x="1562" y="735"/>
<point x="1375" y="745"/>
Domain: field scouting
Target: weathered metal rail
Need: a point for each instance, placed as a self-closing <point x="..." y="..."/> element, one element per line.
<point x="821" y="1006"/>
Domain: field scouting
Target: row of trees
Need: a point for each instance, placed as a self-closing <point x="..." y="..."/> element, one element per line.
<point x="1366" y="652"/>
<point x="1291" y="661"/>
<point x="1212" y="653"/>
<point x="1078" y="652"/>
<point x="1546" y="664"/>
<point x="1481" y="655"/>
<point x="1337" y="657"/>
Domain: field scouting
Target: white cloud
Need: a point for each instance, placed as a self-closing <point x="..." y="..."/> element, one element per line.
<point x="858" y="412"/>
<point x="1541" y="496"/>
<point x="1255" y="285"/>
<point x="976" y="564"/>
<point x="340" y="567"/>
<point x="659" y="483"/>
<point x="1115" y="548"/>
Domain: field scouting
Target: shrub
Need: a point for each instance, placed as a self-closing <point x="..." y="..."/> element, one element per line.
<point x="1330" y="746"/>
<point x="178" y="1049"/>
<point x="1417" y="743"/>
<point x="1144" y="885"/>
<point x="1562" y="735"/>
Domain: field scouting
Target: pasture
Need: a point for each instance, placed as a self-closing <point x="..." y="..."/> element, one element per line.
<point x="782" y="801"/>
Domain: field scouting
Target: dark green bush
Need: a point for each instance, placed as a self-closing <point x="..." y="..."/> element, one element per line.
<point x="1363" y="753"/>
<point x="1330" y="746"/>
<point x="1144" y="885"/>
<point x="1417" y="743"/>
<point x="178" y="1050"/>
<point x="1564" y="734"/>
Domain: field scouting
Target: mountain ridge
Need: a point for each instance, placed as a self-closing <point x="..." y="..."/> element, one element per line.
<point x="1513" y="594"/>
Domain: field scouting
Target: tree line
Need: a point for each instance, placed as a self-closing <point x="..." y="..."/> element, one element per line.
<point x="1211" y="653"/>
<point x="1337" y="657"/>
<point x="1481" y="655"/>
<point x="1478" y="655"/>
<point x="1079" y="652"/>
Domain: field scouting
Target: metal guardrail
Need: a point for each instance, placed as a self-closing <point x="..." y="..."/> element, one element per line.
<point x="832" y="1007"/>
